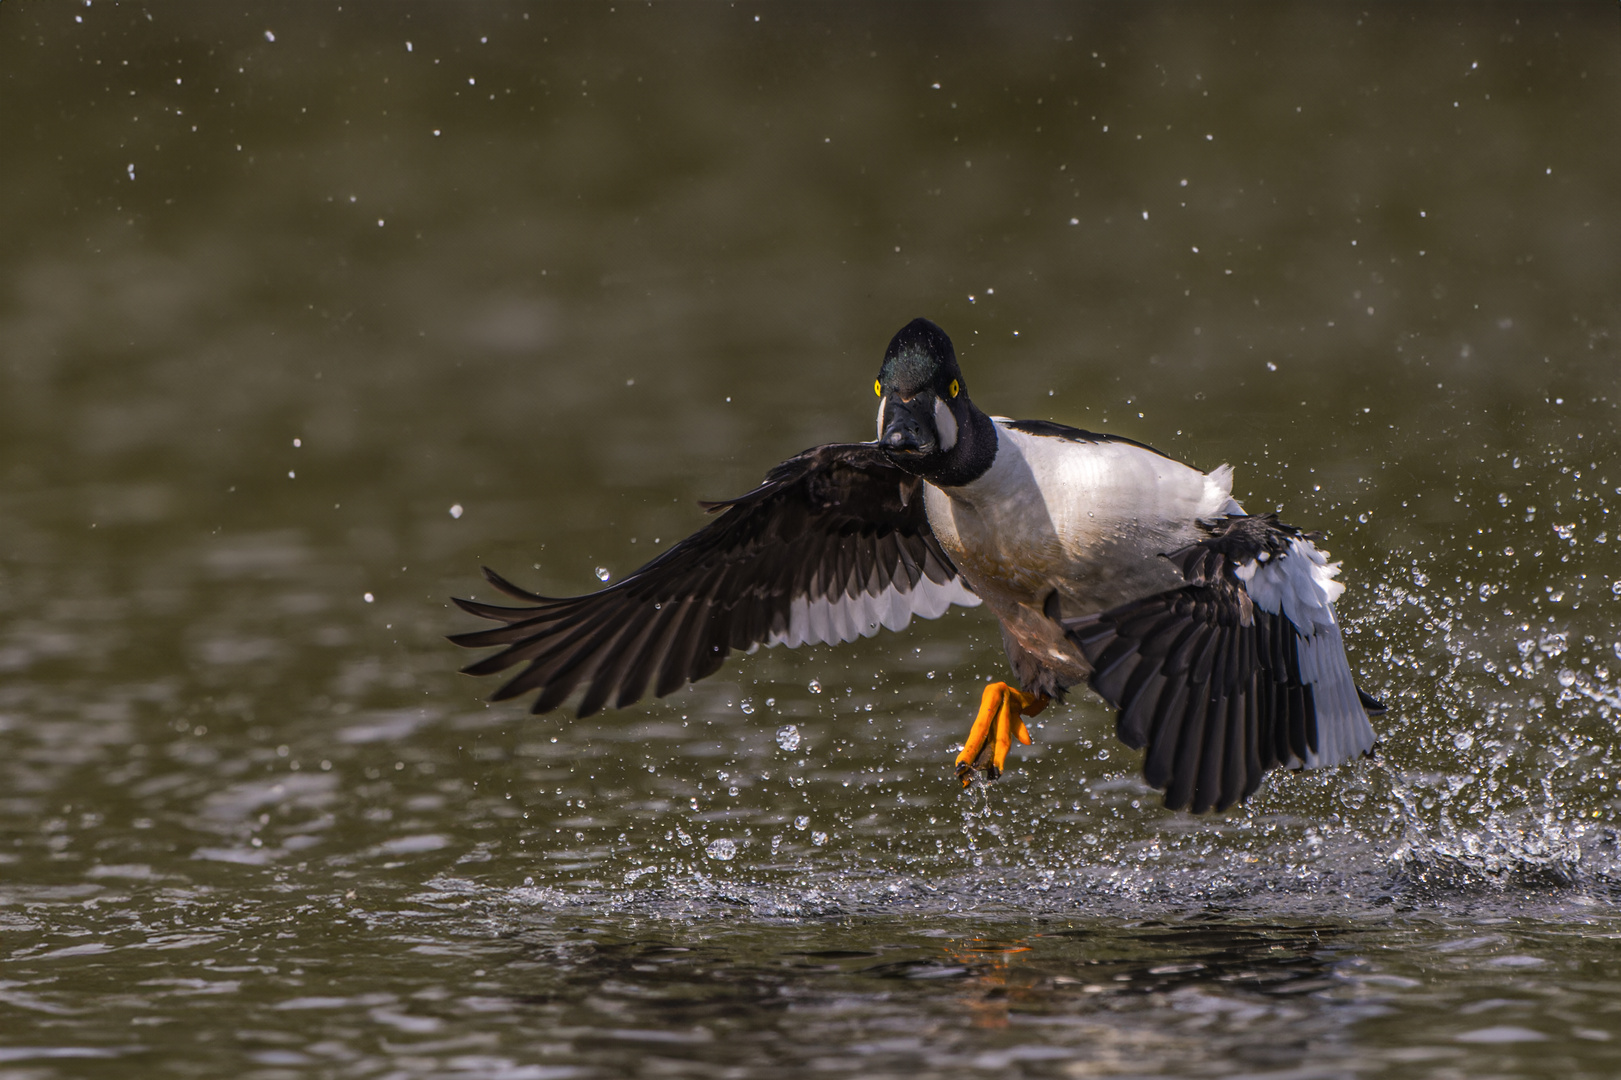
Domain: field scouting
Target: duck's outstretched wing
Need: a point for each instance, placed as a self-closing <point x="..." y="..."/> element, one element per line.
<point x="833" y="545"/>
<point x="1241" y="670"/>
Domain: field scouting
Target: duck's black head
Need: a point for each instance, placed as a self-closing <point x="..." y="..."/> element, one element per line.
<point x="926" y="424"/>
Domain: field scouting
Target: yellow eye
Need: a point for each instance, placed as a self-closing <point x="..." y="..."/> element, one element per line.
<point x="878" y="387"/>
<point x="956" y="387"/>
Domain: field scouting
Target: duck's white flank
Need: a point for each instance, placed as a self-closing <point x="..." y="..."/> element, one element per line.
<point x="1089" y="519"/>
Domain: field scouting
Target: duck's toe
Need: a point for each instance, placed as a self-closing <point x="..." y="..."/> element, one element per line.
<point x="998" y="723"/>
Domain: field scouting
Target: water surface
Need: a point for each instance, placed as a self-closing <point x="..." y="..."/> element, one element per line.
<point x="307" y="314"/>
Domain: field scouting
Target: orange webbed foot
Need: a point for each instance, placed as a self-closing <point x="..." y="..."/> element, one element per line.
<point x="999" y="722"/>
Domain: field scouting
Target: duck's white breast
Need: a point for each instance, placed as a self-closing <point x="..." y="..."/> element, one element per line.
<point x="1089" y="518"/>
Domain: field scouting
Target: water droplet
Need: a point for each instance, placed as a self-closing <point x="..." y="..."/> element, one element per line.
<point x="1463" y="740"/>
<point x="818" y="838"/>
<point x="370" y="598"/>
<point x="815" y="686"/>
<point x="603" y="574"/>
<point x="747" y="707"/>
<point x="721" y="850"/>
<point x="1567" y="677"/>
<point x="788" y="737"/>
<point x="801" y="822"/>
<point x="456" y="510"/>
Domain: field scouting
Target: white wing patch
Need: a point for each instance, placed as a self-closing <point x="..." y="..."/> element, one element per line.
<point x="832" y="622"/>
<point x="1300" y="585"/>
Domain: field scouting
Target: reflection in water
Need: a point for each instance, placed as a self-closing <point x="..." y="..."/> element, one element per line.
<point x="1093" y="981"/>
<point x="1092" y="996"/>
<point x="994" y="976"/>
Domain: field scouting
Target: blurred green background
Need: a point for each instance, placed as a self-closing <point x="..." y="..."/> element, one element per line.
<point x="306" y="312"/>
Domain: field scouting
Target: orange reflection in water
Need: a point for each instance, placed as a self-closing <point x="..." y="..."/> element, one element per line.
<point x="988" y="990"/>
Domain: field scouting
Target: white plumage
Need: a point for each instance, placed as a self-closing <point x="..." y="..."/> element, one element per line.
<point x="1105" y="562"/>
<point x="1085" y="518"/>
<point x="832" y="622"/>
<point x="1299" y="584"/>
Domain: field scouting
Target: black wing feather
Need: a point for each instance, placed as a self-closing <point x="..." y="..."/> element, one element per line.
<point x="1204" y="679"/>
<point x="837" y="522"/>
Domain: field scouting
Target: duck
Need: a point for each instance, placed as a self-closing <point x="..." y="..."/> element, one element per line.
<point x="1211" y="632"/>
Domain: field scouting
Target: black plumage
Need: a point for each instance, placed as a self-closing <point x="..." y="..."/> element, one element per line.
<point x="1203" y="678"/>
<point x="1052" y="430"/>
<point x="1209" y="678"/>
<point x="834" y="523"/>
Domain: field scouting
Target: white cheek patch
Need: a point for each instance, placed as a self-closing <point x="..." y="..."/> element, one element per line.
<point x="882" y="404"/>
<point x="945" y="424"/>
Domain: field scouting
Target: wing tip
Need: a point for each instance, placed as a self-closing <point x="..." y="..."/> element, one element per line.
<point x="514" y="591"/>
<point x="741" y="596"/>
<point x="469" y="606"/>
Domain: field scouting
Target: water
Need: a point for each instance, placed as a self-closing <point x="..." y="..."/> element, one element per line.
<point x="306" y="314"/>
